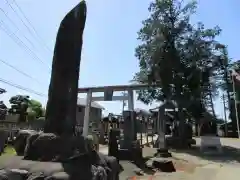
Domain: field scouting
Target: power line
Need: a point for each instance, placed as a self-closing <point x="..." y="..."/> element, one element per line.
<point x="18" y="70"/>
<point x="21" y="87"/>
<point x="20" y="43"/>
<point x="35" y="34"/>
<point x="15" y="25"/>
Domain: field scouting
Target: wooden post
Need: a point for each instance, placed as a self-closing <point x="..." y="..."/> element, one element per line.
<point x="225" y="116"/>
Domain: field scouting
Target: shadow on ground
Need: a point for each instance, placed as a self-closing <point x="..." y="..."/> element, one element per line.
<point x="130" y="169"/>
<point x="229" y="154"/>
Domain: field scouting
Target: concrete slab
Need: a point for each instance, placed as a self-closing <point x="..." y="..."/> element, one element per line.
<point x="228" y="172"/>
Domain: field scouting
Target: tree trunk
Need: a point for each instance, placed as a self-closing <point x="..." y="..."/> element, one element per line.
<point x="196" y="128"/>
<point x="212" y="105"/>
<point x="62" y="95"/>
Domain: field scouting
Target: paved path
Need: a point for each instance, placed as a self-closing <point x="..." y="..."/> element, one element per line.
<point x="228" y="173"/>
<point x="210" y="167"/>
<point x="218" y="167"/>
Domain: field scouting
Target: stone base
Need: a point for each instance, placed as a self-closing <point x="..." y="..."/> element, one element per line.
<point x="16" y="166"/>
<point x="209" y="141"/>
<point x="22" y="169"/>
<point x="65" y="157"/>
<point x="130" y="154"/>
<point x="124" y="154"/>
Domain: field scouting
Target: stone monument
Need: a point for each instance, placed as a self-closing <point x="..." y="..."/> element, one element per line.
<point x="57" y="153"/>
<point x="129" y="129"/>
<point x="62" y="94"/>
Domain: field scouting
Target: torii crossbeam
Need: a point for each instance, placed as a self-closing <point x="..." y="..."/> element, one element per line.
<point x="108" y="96"/>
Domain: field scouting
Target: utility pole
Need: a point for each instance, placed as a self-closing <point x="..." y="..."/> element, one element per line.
<point x="225" y="115"/>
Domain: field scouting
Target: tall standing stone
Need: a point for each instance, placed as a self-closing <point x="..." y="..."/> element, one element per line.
<point x="129" y="129"/>
<point x="62" y="94"/>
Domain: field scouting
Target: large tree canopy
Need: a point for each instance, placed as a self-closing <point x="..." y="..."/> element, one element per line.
<point x="28" y="109"/>
<point x="35" y="110"/>
<point x="19" y="105"/>
<point x="180" y="57"/>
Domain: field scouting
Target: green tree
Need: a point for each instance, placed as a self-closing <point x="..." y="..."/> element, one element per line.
<point x="3" y="107"/>
<point x="28" y="109"/>
<point x="36" y="107"/>
<point x="181" y="59"/>
<point x="19" y="105"/>
<point x="2" y="91"/>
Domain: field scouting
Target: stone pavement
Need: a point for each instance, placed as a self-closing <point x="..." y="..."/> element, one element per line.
<point x="228" y="173"/>
<point x="207" y="172"/>
<point x="208" y="167"/>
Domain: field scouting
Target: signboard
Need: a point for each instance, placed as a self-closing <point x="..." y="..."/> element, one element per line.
<point x="108" y="94"/>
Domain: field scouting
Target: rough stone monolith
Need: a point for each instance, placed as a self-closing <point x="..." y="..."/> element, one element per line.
<point x="62" y="94"/>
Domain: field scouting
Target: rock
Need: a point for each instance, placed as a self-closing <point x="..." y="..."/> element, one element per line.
<point x="76" y="154"/>
<point x="13" y="174"/>
<point x="98" y="159"/>
<point x="109" y="163"/>
<point x="99" y="173"/>
<point x="3" y="174"/>
<point x="149" y="163"/>
<point x="114" y="166"/>
<point x="36" y="176"/>
<point x="138" y="171"/>
<point x="29" y="152"/>
<point x="21" y="140"/>
<point x="104" y="167"/>
<point x="163" y="153"/>
<point x="58" y="176"/>
<point x="43" y="147"/>
<point x="163" y="165"/>
<point x="23" y="173"/>
<point x="50" y="147"/>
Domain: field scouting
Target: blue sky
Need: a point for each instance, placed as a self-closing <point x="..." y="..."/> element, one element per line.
<point x="109" y="41"/>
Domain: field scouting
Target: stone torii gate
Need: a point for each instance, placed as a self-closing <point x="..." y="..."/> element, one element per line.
<point x="108" y="96"/>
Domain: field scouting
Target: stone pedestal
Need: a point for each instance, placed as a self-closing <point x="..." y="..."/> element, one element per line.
<point x="162" y="150"/>
<point x="113" y="144"/>
<point x="129" y="129"/>
<point x="163" y="153"/>
<point x="209" y="141"/>
<point x="49" y="156"/>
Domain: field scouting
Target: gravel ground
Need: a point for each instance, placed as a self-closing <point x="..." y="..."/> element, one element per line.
<point x="192" y="164"/>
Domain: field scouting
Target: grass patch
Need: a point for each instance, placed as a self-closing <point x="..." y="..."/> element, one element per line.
<point x="9" y="150"/>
